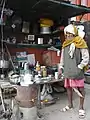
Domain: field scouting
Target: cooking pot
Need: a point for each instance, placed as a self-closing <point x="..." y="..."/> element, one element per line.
<point x="45" y="30"/>
<point x="4" y="64"/>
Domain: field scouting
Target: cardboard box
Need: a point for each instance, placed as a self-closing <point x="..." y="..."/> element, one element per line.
<point x="50" y="58"/>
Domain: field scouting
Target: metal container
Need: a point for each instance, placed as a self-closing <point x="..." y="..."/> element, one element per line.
<point x="87" y="79"/>
<point x="4" y="64"/>
<point x="29" y="113"/>
<point x="45" y="30"/>
<point x="27" y="96"/>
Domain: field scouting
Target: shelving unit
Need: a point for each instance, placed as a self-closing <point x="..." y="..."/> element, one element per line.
<point x="20" y="45"/>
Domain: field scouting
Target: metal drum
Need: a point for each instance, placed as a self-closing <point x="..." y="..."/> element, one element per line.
<point x="27" y="96"/>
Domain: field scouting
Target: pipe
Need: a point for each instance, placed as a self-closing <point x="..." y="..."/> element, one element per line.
<point x="10" y="57"/>
<point x="2" y="44"/>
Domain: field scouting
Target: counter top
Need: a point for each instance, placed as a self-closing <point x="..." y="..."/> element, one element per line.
<point x="6" y="84"/>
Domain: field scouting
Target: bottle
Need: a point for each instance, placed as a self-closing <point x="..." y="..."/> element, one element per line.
<point x="37" y="66"/>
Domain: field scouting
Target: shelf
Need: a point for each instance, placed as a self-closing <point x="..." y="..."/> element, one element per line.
<point x="37" y="34"/>
<point x="20" y="45"/>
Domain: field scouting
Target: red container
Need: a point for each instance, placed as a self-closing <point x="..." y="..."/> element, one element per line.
<point x="78" y="2"/>
<point x="88" y="13"/>
<point x="73" y="1"/>
<point x="84" y="3"/>
<point x="86" y="17"/>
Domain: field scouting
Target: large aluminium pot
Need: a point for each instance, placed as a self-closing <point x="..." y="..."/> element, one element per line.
<point x="45" y="30"/>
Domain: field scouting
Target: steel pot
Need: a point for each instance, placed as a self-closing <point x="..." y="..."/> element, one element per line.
<point x="4" y="64"/>
<point x="45" y="30"/>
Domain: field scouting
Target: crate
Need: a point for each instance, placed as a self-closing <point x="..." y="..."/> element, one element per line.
<point x="9" y="93"/>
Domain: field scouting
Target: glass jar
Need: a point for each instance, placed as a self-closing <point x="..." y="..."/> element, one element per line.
<point x="44" y="72"/>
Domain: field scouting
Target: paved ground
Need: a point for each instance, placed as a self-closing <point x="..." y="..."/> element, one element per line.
<point x="53" y="112"/>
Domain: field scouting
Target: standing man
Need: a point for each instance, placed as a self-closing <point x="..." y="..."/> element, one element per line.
<point x="74" y="62"/>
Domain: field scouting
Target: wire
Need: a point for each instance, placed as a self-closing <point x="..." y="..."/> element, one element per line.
<point x="36" y="4"/>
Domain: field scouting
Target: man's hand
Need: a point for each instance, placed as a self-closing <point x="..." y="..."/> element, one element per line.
<point x="60" y="71"/>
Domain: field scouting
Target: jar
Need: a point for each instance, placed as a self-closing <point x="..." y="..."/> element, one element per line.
<point x="44" y="72"/>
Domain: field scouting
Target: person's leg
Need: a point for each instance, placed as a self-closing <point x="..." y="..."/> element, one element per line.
<point x="82" y="98"/>
<point x="70" y="103"/>
<point x="70" y="95"/>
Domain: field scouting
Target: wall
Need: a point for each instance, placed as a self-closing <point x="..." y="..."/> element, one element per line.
<point x="38" y="52"/>
<point x="20" y="37"/>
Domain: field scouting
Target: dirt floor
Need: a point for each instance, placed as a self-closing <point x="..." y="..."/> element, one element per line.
<point x="53" y="112"/>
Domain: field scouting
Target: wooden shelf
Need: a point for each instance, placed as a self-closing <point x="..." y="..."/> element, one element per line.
<point x="20" y="45"/>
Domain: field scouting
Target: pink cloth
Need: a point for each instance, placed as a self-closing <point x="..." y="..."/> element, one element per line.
<point x="73" y="83"/>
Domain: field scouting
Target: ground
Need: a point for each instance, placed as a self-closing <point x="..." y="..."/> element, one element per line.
<point x="53" y="112"/>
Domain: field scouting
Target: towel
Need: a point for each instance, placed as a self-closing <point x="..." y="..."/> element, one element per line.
<point x="71" y="50"/>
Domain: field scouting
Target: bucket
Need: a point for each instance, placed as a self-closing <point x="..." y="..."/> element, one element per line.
<point x="29" y="113"/>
